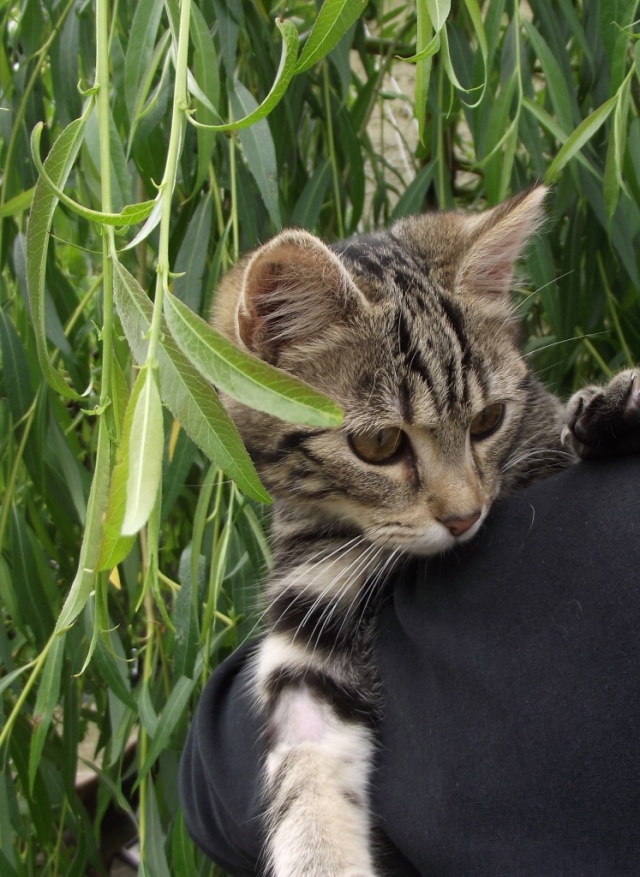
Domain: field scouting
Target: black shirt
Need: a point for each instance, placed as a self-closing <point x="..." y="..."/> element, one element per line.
<point x="510" y="670"/>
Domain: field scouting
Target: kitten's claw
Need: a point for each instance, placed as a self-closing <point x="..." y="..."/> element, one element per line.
<point x="605" y="421"/>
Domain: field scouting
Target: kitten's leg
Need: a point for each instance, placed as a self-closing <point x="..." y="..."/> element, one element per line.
<point x="316" y="682"/>
<point x="319" y="751"/>
<point x="605" y="421"/>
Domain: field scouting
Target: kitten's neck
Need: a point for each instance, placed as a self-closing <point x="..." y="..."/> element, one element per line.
<point x="318" y="562"/>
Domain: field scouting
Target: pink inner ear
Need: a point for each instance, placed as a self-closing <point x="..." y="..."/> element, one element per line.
<point x="500" y="238"/>
<point x="264" y="281"/>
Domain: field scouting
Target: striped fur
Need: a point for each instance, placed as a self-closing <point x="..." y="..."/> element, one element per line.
<point x="409" y="328"/>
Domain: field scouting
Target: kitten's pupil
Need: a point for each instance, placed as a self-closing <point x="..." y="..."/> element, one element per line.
<point x="377" y="447"/>
<point x="487" y="421"/>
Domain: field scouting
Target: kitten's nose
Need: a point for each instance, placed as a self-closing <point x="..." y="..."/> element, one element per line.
<point x="458" y="526"/>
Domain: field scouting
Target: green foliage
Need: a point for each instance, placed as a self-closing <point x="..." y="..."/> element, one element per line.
<point x="142" y="153"/>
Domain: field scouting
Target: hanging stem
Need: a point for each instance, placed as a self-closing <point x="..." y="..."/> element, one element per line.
<point x="168" y="184"/>
<point x="332" y="150"/>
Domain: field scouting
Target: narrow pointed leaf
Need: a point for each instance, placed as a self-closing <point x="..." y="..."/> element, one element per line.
<point x="145" y="445"/>
<point x="85" y="578"/>
<point x="114" y="547"/>
<point x="46" y="701"/>
<point x="583" y="133"/>
<point x="259" y="151"/>
<point x="244" y="377"/>
<point x="190" y="398"/>
<point x="439" y="11"/>
<point x="58" y="167"/>
<point x="284" y="75"/>
<point x="18" y="204"/>
<point x="144" y="28"/>
<point x="173" y="709"/>
<point x="129" y="215"/>
<point x="333" y="21"/>
<point x="207" y="74"/>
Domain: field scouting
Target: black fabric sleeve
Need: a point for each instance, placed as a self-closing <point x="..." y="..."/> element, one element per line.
<point x="220" y="767"/>
<point x="509" y="740"/>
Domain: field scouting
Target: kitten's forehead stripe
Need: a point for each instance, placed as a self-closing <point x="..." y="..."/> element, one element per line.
<point x="423" y="311"/>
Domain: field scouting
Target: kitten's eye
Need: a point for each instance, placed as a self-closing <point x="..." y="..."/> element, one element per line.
<point x="377" y="447"/>
<point x="487" y="421"/>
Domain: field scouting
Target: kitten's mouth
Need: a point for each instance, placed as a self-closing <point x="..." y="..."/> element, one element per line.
<point x="440" y="537"/>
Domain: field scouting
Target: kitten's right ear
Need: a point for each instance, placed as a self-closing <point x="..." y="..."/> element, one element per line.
<point x="293" y="287"/>
<point x="497" y="237"/>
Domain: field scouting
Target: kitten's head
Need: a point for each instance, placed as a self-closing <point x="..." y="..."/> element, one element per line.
<point x="410" y="330"/>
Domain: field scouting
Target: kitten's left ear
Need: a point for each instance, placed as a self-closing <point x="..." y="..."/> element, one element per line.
<point x="496" y="238"/>
<point x="293" y="288"/>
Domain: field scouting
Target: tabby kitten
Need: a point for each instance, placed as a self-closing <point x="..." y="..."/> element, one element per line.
<point x="410" y="330"/>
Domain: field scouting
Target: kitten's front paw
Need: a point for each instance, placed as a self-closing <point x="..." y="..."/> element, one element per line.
<point x="605" y="421"/>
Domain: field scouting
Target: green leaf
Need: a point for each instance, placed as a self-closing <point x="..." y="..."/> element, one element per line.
<point x="475" y="15"/>
<point x="613" y="178"/>
<point x="15" y="369"/>
<point x="191" y="261"/>
<point x="439" y="11"/>
<point x="308" y="206"/>
<point x="333" y="21"/>
<point x="188" y="396"/>
<point x="153" y="860"/>
<point x="145" y="443"/>
<point x="129" y="215"/>
<point x="552" y="126"/>
<point x="412" y="199"/>
<point x="207" y="74"/>
<point x="559" y="90"/>
<point x="11" y="677"/>
<point x="109" y="666"/>
<point x="426" y="44"/>
<point x="28" y="584"/>
<point x="259" y="151"/>
<point x="229" y="19"/>
<point x="140" y="45"/>
<point x="114" y="547"/>
<point x="18" y="204"/>
<point x="284" y="75"/>
<point x="183" y="858"/>
<point x="244" y="377"/>
<point x="58" y="167"/>
<point x="582" y="134"/>
<point x="46" y="701"/>
<point x="185" y="620"/>
<point x="171" y="714"/>
<point x="85" y="579"/>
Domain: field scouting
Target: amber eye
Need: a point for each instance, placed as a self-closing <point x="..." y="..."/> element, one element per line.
<point x="377" y="447"/>
<point x="487" y="421"/>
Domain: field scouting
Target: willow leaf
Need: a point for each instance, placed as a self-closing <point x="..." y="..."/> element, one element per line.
<point x="114" y="547"/>
<point x="245" y="378"/>
<point x="583" y="133"/>
<point x="284" y="75"/>
<point x="189" y="397"/>
<point x="259" y="151"/>
<point x="333" y="21"/>
<point x="18" y="204"/>
<point x="173" y="710"/>
<point x="439" y="11"/>
<point x="46" y="701"/>
<point x="145" y="444"/>
<point x="84" y="581"/>
<point x="129" y="215"/>
<point x="58" y="167"/>
<point x="144" y="28"/>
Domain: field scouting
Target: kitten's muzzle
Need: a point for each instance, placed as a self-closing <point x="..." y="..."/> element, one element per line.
<point x="458" y="526"/>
